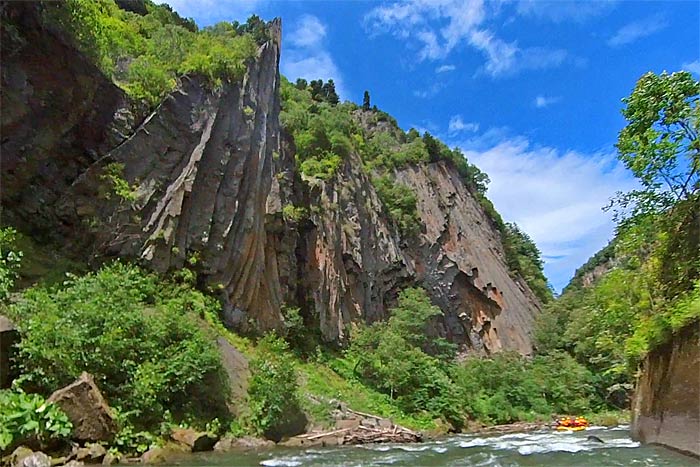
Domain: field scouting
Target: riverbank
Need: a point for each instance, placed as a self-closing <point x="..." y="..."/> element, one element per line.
<point x="540" y="447"/>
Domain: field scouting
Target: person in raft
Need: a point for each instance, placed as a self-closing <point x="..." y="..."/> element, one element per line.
<point x="571" y="422"/>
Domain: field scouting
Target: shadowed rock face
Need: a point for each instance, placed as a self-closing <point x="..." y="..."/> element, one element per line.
<point x="209" y="175"/>
<point x="59" y="113"/>
<point x="666" y="405"/>
<point x="201" y="169"/>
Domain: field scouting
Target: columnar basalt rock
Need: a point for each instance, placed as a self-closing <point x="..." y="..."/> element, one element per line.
<point x="208" y="181"/>
<point x="666" y="404"/>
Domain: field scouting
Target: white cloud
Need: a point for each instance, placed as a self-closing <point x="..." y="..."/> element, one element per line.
<point x="431" y="91"/>
<point x="307" y="57"/>
<point x="555" y="196"/>
<point x="308" y="33"/>
<point x="563" y="10"/>
<point x="208" y="12"/>
<point x="437" y="27"/>
<point x="445" y="68"/>
<point x="457" y="125"/>
<point x="693" y="67"/>
<point x="637" y="30"/>
<point x="543" y="101"/>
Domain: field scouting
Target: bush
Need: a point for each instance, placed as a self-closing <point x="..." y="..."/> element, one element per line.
<point x="140" y="338"/>
<point x="10" y="260"/>
<point x="156" y="47"/>
<point x="28" y="419"/>
<point x="507" y="387"/>
<point x="398" y="358"/>
<point x="400" y="202"/>
<point x="272" y="393"/>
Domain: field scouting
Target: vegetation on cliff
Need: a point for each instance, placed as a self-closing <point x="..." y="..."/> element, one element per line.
<point x="146" y="53"/>
<point x="653" y="287"/>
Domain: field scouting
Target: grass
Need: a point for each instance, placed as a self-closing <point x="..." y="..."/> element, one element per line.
<point x="320" y="385"/>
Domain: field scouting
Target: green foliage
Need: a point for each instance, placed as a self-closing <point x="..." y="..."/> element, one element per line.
<point x="146" y="53"/>
<point x="323" y="133"/>
<point x="397" y="358"/>
<point x="507" y="387"/>
<point x="365" y="101"/>
<point x="273" y="389"/>
<point x="10" y="261"/>
<point x="400" y="203"/>
<point x="138" y="336"/>
<point x="29" y="419"/>
<point x="651" y="291"/>
<point x="655" y="329"/>
<point x="293" y="213"/>
<point x="323" y="92"/>
<point x="114" y="175"/>
<point x="660" y="143"/>
<point x="523" y="257"/>
<point x="148" y="80"/>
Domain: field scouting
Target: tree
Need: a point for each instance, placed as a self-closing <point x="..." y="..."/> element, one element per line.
<point x="431" y="144"/>
<point x="301" y="84"/>
<point x="329" y="93"/>
<point x="365" y="101"/>
<point x="660" y="143"/>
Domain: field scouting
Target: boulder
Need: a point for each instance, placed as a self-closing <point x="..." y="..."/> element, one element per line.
<point x="110" y="459"/>
<point x="196" y="440"/>
<point x="87" y="409"/>
<point x="229" y="444"/>
<point x="236" y="366"/>
<point x="25" y="457"/>
<point x="8" y="337"/>
<point x="92" y="453"/>
<point x="161" y="455"/>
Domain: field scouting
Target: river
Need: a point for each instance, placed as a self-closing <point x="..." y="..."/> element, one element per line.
<point x="538" y="448"/>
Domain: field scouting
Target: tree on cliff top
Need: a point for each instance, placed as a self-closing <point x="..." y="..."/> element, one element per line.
<point x="660" y="143"/>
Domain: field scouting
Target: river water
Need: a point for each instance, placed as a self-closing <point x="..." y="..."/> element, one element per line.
<point x="538" y="448"/>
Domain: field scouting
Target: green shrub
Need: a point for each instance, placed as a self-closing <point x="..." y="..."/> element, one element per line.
<point x="29" y="419"/>
<point x="400" y="202"/>
<point x="157" y="47"/>
<point x="293" y="213"/>
<point x="507" y="387"/>
<point x="10" y="261"/>
<point x="397" y="358"/>
<point x="114" y="175"/>
<point x="139" y="337"/>
<point x="273" y="388"/>
<point x="149" y="80"/>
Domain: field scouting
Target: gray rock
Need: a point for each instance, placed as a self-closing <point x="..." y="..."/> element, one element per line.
<point x="196" y="441"/>
<point x="8" y="337"/>
<point x="35" y="459"/>
<point x="231" y="444"/>
<point x="236" y="366"/>
<point x="87" y="409"/>
<point x="92" y="452"/>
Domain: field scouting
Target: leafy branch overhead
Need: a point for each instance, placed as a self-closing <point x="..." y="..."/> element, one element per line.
<point x="660" y="143"/>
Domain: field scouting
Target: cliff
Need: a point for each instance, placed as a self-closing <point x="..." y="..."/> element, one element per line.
<point x="666" y="405"/>
<point x="203" y="181"/>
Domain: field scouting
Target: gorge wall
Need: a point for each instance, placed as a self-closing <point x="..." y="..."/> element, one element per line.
<point x="666" y="405"/>
<point x="209" y="174"/>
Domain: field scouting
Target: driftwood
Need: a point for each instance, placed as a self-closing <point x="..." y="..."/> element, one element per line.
<point x="366" y="435"/>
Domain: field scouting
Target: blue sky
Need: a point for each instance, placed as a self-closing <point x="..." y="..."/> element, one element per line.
<point x="530" y="90"/>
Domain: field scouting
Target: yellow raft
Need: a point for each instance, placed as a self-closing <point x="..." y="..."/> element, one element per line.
<point x="570" y="428"/>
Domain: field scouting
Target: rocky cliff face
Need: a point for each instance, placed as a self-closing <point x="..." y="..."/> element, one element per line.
<point x="204" y="181"/>
<point x="666" y="405"/>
